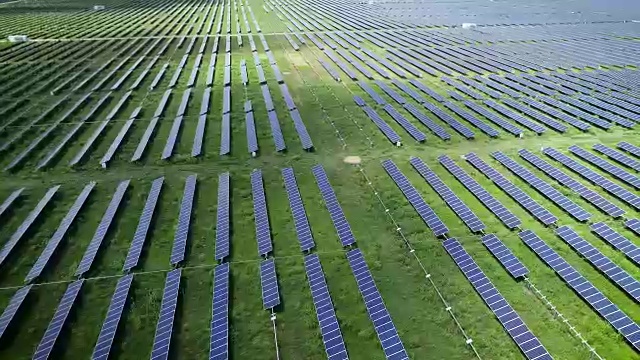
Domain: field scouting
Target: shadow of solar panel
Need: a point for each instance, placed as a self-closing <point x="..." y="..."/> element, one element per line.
<point x="543" y="187"/>
<point x="380" y="317"/>
<point x="534" y="208"/>
<point x="6" y="204"/>
<point x="589" y="293"/>
<point x="333" y="206"/>
<point x="458" y="206"/>
<point x="261" y="218"/>
<point x="303" y="231"/>
<point x="328" y="322"/>
<point x="493" y="118"/>
<point x="490" y="202"/>
<point x="509" y="261"/>
<point x="59" y="234"/>
<point x="633" y="225"/>
<point x="415" y="199"/>
<point x="164" y="327"/>
<point x="269" y="282"/>
<point x="631" y="149"/>
<point x="615" y="239"/>
<point x="103" y="227"/>
<point x="143" y="225"/>
<point x="528" y="343"/>
<point x="617" y="156"/>
<point x="606" y="166"/>
<point x="182" y="230"/>
<point x="595" y="178"/>
<point x="222" y="219"/>
<point x="219" y="336"/>
<point x="12" y="308"/>
<point x="54" y="328"/>
<point x="110" y="325"/>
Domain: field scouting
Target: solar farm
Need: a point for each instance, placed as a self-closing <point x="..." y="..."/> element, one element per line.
<point x="296" y="179"/>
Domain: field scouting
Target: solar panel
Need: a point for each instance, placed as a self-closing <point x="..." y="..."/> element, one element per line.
<point x="225" y="134"/>
<point x="198" y="138"/>
<point x="412" y="130"/>
<point x="276" y="132"/>
<point x="536" y="115"/>
<point x="301" y="129"/>
<point x="515" y="117"/>
<point x="59" y="234"/>
<point x="133" y="255"/>
<point x="593" y="110"/>
<point x="54" y="328"/>
<point x="453" y="201"/>
<point x="108" y="155"/>
<point x="261" y="218"/>
<point x="426" y="121"/>
<point x="226" y="100"/>
<point x="455" y="124"/>
<point x="534" y="208"/>
<point x="164" y="327"/>
<point x="219" y="337"/>
<point x="101" y="231"/>
<point x="589" y="293"/>
<point x="576" y="112"/>
<point x="390" y="92"/>
<point x="606" y="233"/>
<point x="415" y="199"/>
<point x="493" y="118"/>
<point x="372" y="93"/>
<point x="142" y="145"/>
<point x="182" y="230"/>
<point x="223" y="220"/>
<point x="305" y="238"/>
<point x="631" y="149"/>
<point x="6" y="204"/>
<point x="325" y="312"/>
<point x="510" y="262"/>
<point x="12" y="308"/>
<point x="472" y="119"/>
<point x="110" y="325"/>
<point x="634" y="225"/>
<point x="495" y="206"/>
<point x="269" y="282"/>
<point x="434" y="95"/>
<point x="606" y="166"/>
<point x="409" y="91"/>
<point x="611" y="270"/>
<point x="611" y="187"/>
<point x="333" y="206"/>
<point x="543" y="187"/>
<point x="287" y="96"/>
<point x="572" y="120"/>
<point x="617" y="156"/>
<point x="380" y="317"/>
<point x="513" y="324"/>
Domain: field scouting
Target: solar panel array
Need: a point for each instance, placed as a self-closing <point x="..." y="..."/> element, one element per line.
<point x="617" y="156"/>
<point x="537" y="210"/>
<point x="393" y="137"/>
<point x="386" y="330"/>
<point x="164" y="326"/>
<point x="54" y="328"/>
<point x="219" y="337"/>
<point x="263" y="230"/>
<point x="495" y="206"/>
<point x="250" y="125"/>
<point x="333" y="206"/>
<point x="605" y="232"/>
<point x="508" y="317"/>
<point x="110" y="325"/>
<point x="426" y="213"/>
<point x="139" y="237"/>
<point x="325" y="312"/>
<point x="182" y="230"/>
<point x="269" y="282"/>
<point x="589" y="293"/>
<point x="633" y="225"/>
<point x="59" y="234"/>
<point x="412" y="130"/>
<point x="543" y="187"/>
<point x="631" y="149"/>
<point x="458" y="206"/>
<point x="12" y="308"/>
<point x="606" y="166"/>
<point x="26" y="224"/>
<point x="303" y="231"/>
<point x="591" y="196"/>
<point x="510" y="262"/>
<point x="6" y="204"/>
<point x="223" y="229"/>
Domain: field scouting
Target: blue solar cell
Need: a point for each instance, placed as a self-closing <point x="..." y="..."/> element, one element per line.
<point x="407" y="90"/>
<point x="184" y="218"/>
<point x="576" y="112"/>
<point x="50" y="336"/>
<point x="12" y="308"/>
<point x="390" y="92"/>
<point x="329" y="327"/>
<point x="144" y="223"/>
<point x="506" y="216"/>
<point x="606" y="166"/>
<point x="261" y="218"/>
<point x="453" y="201"/>
<point x="515" y="117"/>
<point x="535" y="115"/>
<point x="415" y="199"/>
<point x="593" y="110"/>
<point x="508" y="317"/>
<point x="605" y="232"/>
<point x="219" y="336"/>
<point x="164" y="326"/>
<point x="305" y="238"/>
<point x="111" y="320"/>
<point x="543" y="187"/>
<point x="510" y="262"/>
<point x="101" y="231"/>
<point x="333" y="206"/>
<point x="269" y="282"/>
<point x="380" y="317"/>
<point x="534" y="208"/>
<point x="589" y="293"/>
<point x="222" y="219"/>
<point x="59" y="234"/>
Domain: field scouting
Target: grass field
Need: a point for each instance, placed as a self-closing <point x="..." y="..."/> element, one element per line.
<point x="372" y="203"/>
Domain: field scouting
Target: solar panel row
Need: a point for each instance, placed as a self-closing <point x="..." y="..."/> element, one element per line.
<point x="6" y="204"/>
<point x="261" y="218"/>
<point x="615" y="239"/>
<point x="435" y="128"/>
<point x="631" y="149"/>
<point x="633" y="225"/>
<point x="112" y="319"/>
<point x="164" y="326"/>
<point x="184" y="218"/>
<point x="219" y="336"/>
<point x="618" y="156"/>
<point x="12" y="308"/>
<point x="412" y="130"/>
<point x="472" y="119"/>
<point x="269" y="283"/>
<point x="333" y="206"/>
<point x="303" y="231"/>
<point x="493" y="118"/>
<point x="505" y="256"/>
<point x="606" y="166"/>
